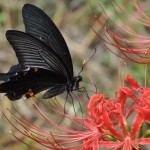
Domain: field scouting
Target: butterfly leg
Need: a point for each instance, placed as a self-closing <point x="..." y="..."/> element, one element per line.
<point x="82" y="89"/>
<point x="64" y="110"/>
<point x="72" y="103"/>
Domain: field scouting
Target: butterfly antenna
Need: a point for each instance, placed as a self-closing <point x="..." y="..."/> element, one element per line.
<point x="85" y="62"/>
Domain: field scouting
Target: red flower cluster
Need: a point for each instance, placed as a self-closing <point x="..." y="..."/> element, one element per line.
<point x="110" y="118"/>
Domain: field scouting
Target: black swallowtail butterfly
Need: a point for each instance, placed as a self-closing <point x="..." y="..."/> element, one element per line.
<point x="44" y="59"/>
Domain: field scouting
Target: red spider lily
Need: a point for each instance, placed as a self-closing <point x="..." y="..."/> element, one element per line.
<point x="111" y="122"/>
<point x="133" y="45"/>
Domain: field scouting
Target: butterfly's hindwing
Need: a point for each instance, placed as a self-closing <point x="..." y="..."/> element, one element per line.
<point x="12" y="71"/>
<point x="30" y="82"/>
<point x="54" y="91"/>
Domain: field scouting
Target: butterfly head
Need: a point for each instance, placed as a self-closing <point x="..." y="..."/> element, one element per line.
<point x="75" y="83"/>
<point x="78" y="78"/>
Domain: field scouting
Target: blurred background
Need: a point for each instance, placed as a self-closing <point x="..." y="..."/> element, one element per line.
<point x="75" y="20"/>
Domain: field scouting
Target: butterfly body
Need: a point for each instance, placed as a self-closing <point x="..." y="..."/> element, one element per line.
<point x="44" y="59"/>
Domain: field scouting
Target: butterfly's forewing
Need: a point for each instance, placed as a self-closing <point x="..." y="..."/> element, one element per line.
<point x="31" y="52"/>
<point x="38" y="24"/>
<point x="30" y="82"/>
